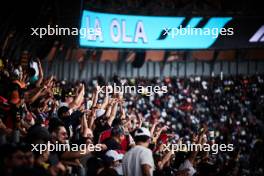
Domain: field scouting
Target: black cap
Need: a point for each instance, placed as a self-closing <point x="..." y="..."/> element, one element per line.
<point x="62" y="110"/>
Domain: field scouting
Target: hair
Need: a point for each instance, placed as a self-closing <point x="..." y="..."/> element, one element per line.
<point x="25" y="147"/>
<point x="207" y="169"/>
<point x="117" y="131"/>
<point x="55" y="124"/>
<point x="7" y="150"/>
<point x="117" y="122"/>
<point x="31" y="72"/>
<point x="94" y="164"/>
<point x="62" y="110"/>
<point x="142" y="138"/>
<point x="108" y="172"/>
<point x="180" y="157"/>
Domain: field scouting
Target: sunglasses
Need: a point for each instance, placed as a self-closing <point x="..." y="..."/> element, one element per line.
<point x="64" y="133"/>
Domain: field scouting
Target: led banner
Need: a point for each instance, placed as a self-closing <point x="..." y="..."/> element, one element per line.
<point x="104" y="30"/>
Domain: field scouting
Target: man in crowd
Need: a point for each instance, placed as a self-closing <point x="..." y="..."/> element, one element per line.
<point x="139" y="160"/>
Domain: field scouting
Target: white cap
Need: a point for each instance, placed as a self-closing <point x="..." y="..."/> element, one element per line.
<point x="114" y="154"/>
<point x="142" y="132"/>
<point x="99" y="112"/>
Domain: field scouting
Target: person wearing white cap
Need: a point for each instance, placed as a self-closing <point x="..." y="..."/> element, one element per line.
<point x="117" y="159"/>
<point x="139" y="160"/>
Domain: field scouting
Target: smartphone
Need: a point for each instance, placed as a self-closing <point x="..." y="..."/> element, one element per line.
<point x="88" y="104"/>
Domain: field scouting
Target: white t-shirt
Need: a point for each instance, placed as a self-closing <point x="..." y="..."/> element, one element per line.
<point x="34" y="65"/>
<point x="188" y="165"/>
<point x="135" y="158"/>
<point x="119" y="169"/>
<point x="63" y="104"/>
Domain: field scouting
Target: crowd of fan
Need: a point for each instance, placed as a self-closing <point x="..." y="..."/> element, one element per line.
<point x="130" y="130"/>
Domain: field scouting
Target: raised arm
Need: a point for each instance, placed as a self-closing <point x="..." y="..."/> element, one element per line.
<point x="79" y="98"/>
<point x="113" y="113"/>
<point x="106" y="99"/>
<point x="95" y="97"/>
<point x="36" y="95"/>
<point x="194" y="153"/>
<point x="165" y="159"/>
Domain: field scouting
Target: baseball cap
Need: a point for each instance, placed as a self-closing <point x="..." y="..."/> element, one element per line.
<point x="114" y="154"/>
<point x="69" y="92"/>
<point x="142" y="132"/>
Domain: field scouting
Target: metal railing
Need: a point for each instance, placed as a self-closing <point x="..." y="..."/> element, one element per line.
<point x="72" y="70"/>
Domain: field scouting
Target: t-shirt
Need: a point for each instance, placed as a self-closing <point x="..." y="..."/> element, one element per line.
<point x="100" y="126"/>
<point x="104" y="135"/>
<point x="135" y="158"/>
<point x="112" y="144"/>
<point x="187" y="165"/>
<point x="34" y="65"/>
<point x="71" y="122"/>
<point x="63" y="104"/>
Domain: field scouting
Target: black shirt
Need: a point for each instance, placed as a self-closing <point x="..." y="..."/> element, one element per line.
<point x="112" y="144"/>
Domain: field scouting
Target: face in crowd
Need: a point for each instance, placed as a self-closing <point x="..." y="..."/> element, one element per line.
<point x="61" y="135"/>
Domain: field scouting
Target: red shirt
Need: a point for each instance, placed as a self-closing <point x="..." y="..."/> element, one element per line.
<point x="107" y="134"/>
